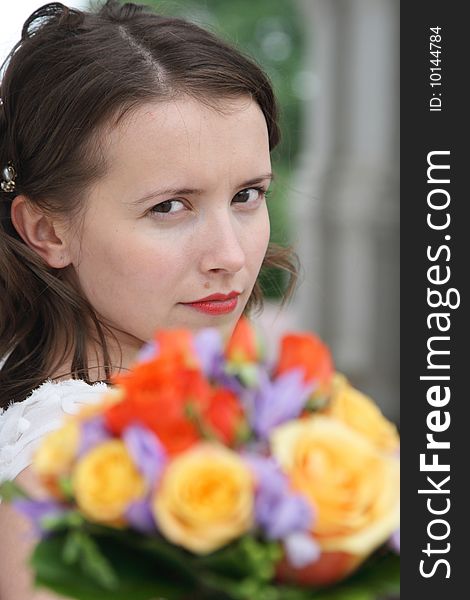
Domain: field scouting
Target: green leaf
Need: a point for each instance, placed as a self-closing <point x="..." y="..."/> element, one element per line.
<point x="247" y="372"/>
<point x="65" y="485"/>
<point x="379" y="577"/>
<point x="71" y="549"/>
<point x="315" y="403"/>
<point x="244" y="557"/>
<point x="139" y="575"/>
<point x="94" y="562"/>
<point x="243" y="433"/>
<point x="147" y="568"/>
<point x="70" y="519"/>
<point x="242" y="570"/>
<point x="194" y="415"/>
<point x="10" y="491"/>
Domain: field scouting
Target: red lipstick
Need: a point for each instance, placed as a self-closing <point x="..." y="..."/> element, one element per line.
<point x="215" y="304"/>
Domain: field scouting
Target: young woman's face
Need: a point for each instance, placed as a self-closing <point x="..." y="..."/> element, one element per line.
<point x="179" y="216"/>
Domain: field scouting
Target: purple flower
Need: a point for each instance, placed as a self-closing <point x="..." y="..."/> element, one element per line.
<point x="394" y="541"/>
<point x="267" y="472"/>
<point x="301" y="549"/>
<point x="139" y="516"/>
<point x="209" y="349"/>
<point x="36" y="511"/>
<point x="278" y="401"/>
<point x="93" y="432"/>
<point x="283" y="514"/>
<point x="278" y="511"/>
<point x="146" y="451"/>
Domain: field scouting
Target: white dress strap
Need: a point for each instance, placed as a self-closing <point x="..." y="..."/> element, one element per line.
<point x="24" y="424"/>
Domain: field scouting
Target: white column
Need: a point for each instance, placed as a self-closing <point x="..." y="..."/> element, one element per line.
<point x="347" y="203"/>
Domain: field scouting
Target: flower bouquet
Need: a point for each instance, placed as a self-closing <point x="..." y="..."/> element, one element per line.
<point x="209" y="472"/>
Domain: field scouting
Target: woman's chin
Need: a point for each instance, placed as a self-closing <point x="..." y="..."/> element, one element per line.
<point x="225" y="324"/>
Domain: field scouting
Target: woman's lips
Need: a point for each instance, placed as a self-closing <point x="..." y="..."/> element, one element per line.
<point x="214" y="307"/>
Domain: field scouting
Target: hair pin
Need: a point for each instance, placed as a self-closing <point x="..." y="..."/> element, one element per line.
<point x="8" y="183"/>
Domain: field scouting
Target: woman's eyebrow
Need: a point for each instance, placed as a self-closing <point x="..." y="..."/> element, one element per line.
<point x="167" y="192"/>
<point x="196" y="191"/>
<point x="256" y="180"/>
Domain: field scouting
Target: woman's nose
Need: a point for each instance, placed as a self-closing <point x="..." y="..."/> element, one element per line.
<point x="222" y="247"/>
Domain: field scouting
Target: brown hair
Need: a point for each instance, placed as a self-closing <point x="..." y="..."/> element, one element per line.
<point x="71" y="74"/>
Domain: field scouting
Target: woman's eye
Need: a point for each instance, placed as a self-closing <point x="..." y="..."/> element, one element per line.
<point x="167" y="207"/>
<point x="249" y="195"/>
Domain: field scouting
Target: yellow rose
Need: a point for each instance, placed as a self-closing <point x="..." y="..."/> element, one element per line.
<point x="105" y="481"/>
<point x="351" y="483"/>
<point x="55" y="455"/>
<point x="359" y="412"/>
<point x="205" y="499"/>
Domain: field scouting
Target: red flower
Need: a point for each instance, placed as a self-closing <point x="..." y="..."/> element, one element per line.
<point x="224" y="415"/>
<point x="307" y="351"/>
<point x="159" y="392"/>
<point x="176" y="344"/>
<point x="243" y="346"/>
<point x="170" y="395"/>
<point x="330" y="568"/>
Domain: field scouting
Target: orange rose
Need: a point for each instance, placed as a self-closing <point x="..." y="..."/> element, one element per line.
<point x="205" y="499"/>
<point x="352" y="485"/>
<point x="359" y="412"/>
<point x="106" y="481"/>
<point x="55" y="457"/>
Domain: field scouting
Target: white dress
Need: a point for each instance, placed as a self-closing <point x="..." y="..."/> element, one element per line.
<point x="24" y="424"/>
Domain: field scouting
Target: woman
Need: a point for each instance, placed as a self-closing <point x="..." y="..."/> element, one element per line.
<point x="135" y="163"/>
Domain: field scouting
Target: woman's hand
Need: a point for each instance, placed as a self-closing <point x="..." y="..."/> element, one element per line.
<point x="16" y="543"/>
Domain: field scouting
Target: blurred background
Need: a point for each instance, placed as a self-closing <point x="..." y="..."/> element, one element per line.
<point x="334" y="65"/>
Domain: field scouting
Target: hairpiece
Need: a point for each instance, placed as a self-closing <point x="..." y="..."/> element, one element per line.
<point x="8" y="183"/>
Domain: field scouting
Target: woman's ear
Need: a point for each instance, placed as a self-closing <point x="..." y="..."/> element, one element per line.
<point x="40" y="232"/>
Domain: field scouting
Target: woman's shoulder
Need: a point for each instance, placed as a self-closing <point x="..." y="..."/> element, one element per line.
<point x="23" y="424"/>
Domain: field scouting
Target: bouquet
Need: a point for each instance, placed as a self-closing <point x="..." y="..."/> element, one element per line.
<point x="211" y="472"/>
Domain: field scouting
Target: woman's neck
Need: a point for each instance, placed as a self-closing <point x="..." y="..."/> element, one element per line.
<point x="121" y="353"/>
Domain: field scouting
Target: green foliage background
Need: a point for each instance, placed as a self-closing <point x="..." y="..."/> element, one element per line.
<point x="271" y="33"/>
